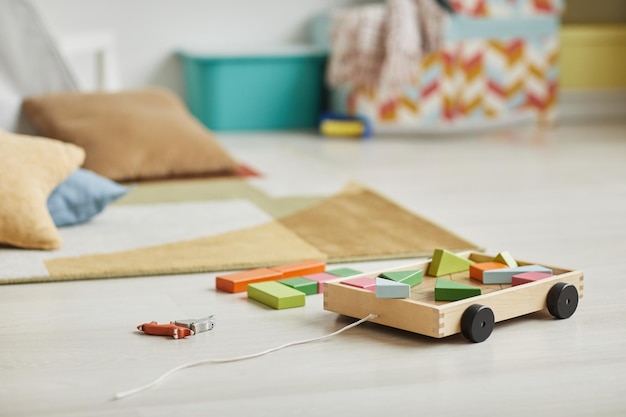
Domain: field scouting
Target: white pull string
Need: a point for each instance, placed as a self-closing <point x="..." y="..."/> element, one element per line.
<point x="160" y="379"/>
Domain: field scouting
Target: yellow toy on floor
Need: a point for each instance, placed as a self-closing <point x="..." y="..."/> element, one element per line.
<point x="337" y="125"/>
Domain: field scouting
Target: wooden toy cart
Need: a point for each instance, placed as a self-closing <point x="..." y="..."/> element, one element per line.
<point x="474" y="317"/>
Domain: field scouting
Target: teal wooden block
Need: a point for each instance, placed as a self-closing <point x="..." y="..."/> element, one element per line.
<point x="412" y="278"/>
<point x="344" y="272"/>
<point x="386" y="288"/>
<point x="504" y="276"/>
<point x="448" y="290"/>
<point x="307" y="286"/>
<point x="276" y="295"/>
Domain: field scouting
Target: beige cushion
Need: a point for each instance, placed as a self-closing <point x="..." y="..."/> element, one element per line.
<point x="131" y="135"/>
<point x="31" y="168"/>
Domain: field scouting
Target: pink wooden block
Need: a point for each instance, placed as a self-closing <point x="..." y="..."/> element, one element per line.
<point x="321" y="278"/>
<point x="363" y="282"/>
<point x="526" y="277"/>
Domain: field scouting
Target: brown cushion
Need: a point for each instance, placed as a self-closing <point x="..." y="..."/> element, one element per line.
<point x="31" y="168"/>
<point x="131" y="135"/>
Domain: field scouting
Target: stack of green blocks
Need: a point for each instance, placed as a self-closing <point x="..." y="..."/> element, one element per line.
<point x="290" y="292"/>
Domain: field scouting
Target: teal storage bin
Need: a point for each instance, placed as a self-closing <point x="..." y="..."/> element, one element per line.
<point x="271" y="90"/>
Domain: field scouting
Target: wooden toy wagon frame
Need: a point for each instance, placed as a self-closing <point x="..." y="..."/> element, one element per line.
<point x="474" y="317"/>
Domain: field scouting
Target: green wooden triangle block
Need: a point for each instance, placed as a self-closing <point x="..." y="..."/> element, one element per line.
<point x="445" y="262"/>
<point x="506" y="258"/>
<point x="448" y="290"/>
<point x="406" y="277"/>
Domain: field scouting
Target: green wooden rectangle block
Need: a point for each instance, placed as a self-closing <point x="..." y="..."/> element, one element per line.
<point x="276" y="295"/>
<point x="307" y="286"/>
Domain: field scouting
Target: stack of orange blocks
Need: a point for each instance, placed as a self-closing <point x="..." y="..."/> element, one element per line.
<point x="282" y="286"/>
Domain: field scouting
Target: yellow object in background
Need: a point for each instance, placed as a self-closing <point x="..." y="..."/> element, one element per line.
<point x="593" y="56"/>
<point x="346" y="128"/>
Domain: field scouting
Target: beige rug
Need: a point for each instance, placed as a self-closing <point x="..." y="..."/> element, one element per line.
<point x="357" y="224"/>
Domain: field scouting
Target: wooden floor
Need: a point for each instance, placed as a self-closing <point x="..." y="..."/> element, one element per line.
<point x="557" y="197"/>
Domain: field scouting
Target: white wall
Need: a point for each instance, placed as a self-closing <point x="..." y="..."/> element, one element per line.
<point x="148" y="32"/>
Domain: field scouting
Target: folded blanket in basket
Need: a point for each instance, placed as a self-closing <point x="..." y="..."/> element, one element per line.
<point x="380" y="46"/>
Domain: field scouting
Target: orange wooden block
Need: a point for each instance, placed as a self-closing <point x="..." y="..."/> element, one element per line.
<point x="299" y="269"/>
<point x="476" y="270"/>
<point x="238" y="282"/>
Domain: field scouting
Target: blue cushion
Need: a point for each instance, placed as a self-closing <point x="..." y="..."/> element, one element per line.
<point x="81" y="196"/>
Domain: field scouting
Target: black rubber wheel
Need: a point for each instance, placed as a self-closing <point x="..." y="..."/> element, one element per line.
<point x="477" y="323"/>
<point x="562" y="300"/>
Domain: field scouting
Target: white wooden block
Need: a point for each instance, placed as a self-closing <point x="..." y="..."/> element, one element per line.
<point x="386" y="288"/>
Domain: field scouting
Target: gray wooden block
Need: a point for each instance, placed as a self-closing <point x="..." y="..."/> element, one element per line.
<point x="503" y="276"/>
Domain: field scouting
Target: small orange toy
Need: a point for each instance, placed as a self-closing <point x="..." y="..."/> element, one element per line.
<point x="171" y="329"/>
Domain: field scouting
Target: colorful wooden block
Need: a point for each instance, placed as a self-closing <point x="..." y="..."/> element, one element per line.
<point x="307" y="286"/>
<point x="504" y="276"/>
<point x="321" y="278"/>
<point x="448" y="290"/>
<point x="506" y="258"/>
<point x="445" y="262"/>
<point x="299" y="269"/>
<point x="363" y="282"/>
<point x="477" y="270"/>
<point x="276" y="295"/>
<point x="343" y="272"/>
<point x="412" y="278"/>
<point x="238" y="281"/>
<point x="526" y="277"/>
<point x="386" y="288"/>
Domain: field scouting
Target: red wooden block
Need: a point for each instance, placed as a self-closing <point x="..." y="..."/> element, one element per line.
<point x="476" y="270"/>
<point x="321" y="278"/>
<point x="527" y="277"/>
<point x="299" y="269"/>
<point x="363" y="282"/>
<point x="238" y="282"/>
